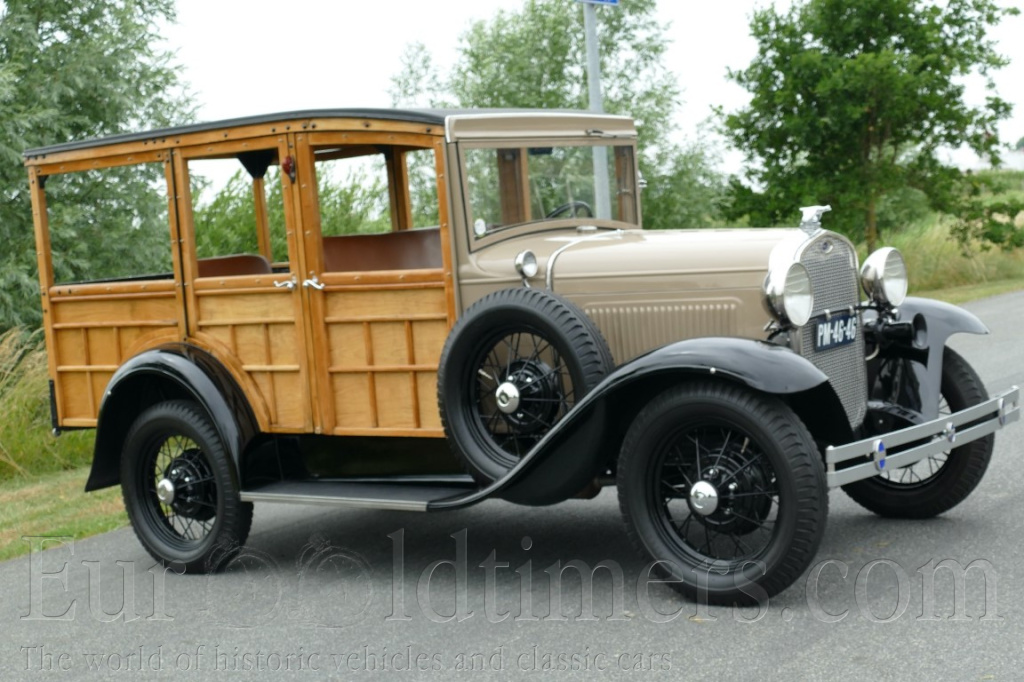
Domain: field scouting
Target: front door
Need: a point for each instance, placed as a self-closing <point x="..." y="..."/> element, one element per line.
<point x="380" y="302"/>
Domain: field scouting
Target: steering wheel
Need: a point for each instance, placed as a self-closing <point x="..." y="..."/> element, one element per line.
<point x="571" y="209"/>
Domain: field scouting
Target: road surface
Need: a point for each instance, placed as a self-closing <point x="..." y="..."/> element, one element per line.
<point x="342" y="594"/>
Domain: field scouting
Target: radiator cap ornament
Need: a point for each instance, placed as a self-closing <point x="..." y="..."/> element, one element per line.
<point x="810" y="218"/>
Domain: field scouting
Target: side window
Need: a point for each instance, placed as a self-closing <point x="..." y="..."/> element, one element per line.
<point x="378" y="207"/>
<point x="353" y="186"/>
<point x="238" y="214"/>
<point x="109" y="224"/>
<point x="422" y="170"/>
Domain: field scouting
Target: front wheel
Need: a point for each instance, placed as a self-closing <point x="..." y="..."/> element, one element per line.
<point x="724" y="488"/>
<point x="179" y="489"/>
<point x="939" y="482"/>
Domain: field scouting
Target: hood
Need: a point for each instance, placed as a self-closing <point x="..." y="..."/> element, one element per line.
<point x="699" y="257"/>
<point x="643" y="260"/>
<point x="647" y="288"/>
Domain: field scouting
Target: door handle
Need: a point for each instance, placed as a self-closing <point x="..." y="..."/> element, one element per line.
<point x="313" y="282"/>
<point x="288" y="284"/>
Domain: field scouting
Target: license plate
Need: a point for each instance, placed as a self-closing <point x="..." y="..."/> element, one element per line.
<point x="838" y="331"/>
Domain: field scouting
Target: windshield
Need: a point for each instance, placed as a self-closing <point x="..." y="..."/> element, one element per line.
<point x="509" y="186"/>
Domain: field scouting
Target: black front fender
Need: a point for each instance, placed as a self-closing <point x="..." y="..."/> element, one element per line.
<point x="942" y="321"/>
<point x="586" y="441"/>
<point x="173" y="371"/>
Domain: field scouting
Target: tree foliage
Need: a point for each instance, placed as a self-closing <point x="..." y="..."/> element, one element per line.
<point x="70" y="70"/>
<point x="852" y="101"/>
<point x="355" y="202"/>
<point x="534" y="58"/>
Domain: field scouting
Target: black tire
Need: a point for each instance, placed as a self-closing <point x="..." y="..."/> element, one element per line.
<point x="940" y="482"/>
<point x="753" y="451"/>
<point x="541" y="344"/>
<point x="205" y="523"/>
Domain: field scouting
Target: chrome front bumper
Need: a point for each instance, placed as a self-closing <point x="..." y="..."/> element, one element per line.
<point x="887" y="452"/>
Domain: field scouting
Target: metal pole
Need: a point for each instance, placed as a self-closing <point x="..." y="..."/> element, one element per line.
<point x="602" y="194"/>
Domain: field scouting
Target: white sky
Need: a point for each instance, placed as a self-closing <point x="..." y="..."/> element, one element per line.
<point x="261" y="56"/>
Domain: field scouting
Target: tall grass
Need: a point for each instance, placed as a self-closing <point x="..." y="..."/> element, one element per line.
<point x="936" y="261"/>
<point x="27" y="446"/>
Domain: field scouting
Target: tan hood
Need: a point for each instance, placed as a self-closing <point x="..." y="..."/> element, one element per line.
<point x="670" y="260"/>
<point x="648" y="288"/>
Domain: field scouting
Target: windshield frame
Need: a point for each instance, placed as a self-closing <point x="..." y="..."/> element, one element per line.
<point x="628" y="186"/>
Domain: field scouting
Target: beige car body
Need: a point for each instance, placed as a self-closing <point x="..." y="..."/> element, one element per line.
<point x="289" y="354"/>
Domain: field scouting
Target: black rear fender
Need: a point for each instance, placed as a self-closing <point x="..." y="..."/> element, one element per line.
<point x="171" y="372"/>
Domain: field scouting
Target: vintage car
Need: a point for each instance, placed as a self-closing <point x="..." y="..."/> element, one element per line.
<point x="494" y="297"/>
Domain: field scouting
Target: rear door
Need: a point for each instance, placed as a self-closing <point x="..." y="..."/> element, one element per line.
<point x="241" y="259"/>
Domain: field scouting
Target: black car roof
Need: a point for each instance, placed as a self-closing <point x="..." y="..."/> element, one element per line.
<point x="427" y="116"/>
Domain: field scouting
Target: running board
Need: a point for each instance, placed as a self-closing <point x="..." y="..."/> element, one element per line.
<point x="403" y="494"/>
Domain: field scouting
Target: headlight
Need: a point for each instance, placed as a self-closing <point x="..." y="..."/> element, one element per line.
<point x="884" y="277"/>
<point x="788" y="296"/>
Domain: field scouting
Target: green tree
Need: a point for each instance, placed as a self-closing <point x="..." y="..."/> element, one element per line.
<point x="70" y="70"/>
<point x="851" y="102"/>
<point x="534" y="58"/>
<point x="352" y="202"/>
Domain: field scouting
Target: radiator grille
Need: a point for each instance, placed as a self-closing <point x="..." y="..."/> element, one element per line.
<point x="633" y="329"/>
<point x="832" y="266"/>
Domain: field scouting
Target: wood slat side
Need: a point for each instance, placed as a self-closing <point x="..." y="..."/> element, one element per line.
<point x="257" y="329"/>
<point x="389" y="432"/>
<point x="92" y="335"/>
<point x="384" y="348"/>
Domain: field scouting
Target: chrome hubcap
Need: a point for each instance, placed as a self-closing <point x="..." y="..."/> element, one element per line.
<point x="703" y="498"/>
<point x="507" y="397"/>
<point x="165" y="491"/>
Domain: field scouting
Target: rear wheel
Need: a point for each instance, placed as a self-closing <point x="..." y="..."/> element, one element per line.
<point x="939" y="482"/>
<point x="725" y="488"/>
<point x="180" y="490"/>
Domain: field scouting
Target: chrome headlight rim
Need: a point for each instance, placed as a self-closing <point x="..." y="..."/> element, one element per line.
<point x="884" y="277"/>
<point x="525" y="264"/>
<point x="788" y="294"/>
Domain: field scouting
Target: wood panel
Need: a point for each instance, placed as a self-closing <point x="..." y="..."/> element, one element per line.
<point x="384" y="345"/>
<point x="96" y="327"/>
<point x="257" y="328"/>
<point x="48" y="162"/>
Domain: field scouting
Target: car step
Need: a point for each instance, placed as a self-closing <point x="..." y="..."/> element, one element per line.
<point x="406" y="493"/>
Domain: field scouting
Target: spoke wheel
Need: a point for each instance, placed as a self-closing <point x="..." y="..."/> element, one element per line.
<point x="939" y="482"/>
<point x="725" y="488"/>
<point x="179" y="488"/>
<point x="523" y="387"/>
<point x="718" y="493"/>
<point x="919" y="474"/>
<point x="513" y="366"/>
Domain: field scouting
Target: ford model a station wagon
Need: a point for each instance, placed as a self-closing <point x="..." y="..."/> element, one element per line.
<point x="421" y="310"/>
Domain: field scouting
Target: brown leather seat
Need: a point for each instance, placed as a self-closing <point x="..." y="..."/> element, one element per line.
<point x="402" y="250"/>
<point x="238" y="264"/>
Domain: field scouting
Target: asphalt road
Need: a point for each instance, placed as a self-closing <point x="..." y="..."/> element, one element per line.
<point x="340" y="594"/>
